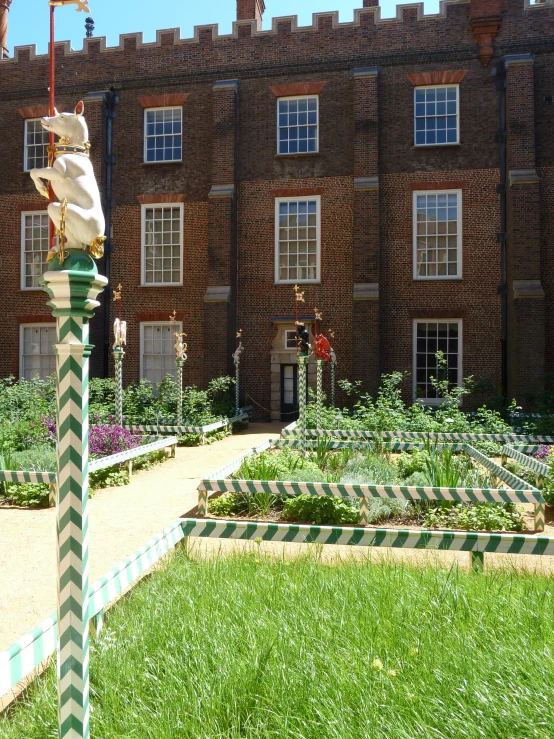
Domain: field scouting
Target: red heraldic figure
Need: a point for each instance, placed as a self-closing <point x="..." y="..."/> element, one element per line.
<point x="323" y="349"/>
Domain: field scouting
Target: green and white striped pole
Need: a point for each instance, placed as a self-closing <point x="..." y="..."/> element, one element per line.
<point x="118" y="355"/>
<point x="179" y="361"/>
<point x="333" y="368"/>
<point x="319" y="391"/>
<point x="302" y="371"/>
<point x="73" y="289"/>
<point x="237" y="403"/>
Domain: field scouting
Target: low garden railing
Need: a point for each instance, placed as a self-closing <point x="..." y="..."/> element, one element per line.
<point x="181" y="429"/>
<point x="102" y="463"/>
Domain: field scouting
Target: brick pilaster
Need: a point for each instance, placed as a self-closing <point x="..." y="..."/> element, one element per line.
<point x="366" y="228"/>
<point x="526" y="306"/>
<point x="220" y="298"/>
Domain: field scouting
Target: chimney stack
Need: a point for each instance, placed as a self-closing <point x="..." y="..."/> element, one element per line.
<point x="4" y="8"/>
<point x="247" y="10"/>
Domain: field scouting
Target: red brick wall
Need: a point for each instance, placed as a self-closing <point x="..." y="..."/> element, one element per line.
<point x="473" y="298"/>
<point x="260" y="298"/>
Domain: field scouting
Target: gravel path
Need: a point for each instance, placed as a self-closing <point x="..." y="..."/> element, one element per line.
<point x="121" y="520"/>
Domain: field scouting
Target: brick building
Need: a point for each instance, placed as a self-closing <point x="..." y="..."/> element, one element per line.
<point x="401" y="171"/>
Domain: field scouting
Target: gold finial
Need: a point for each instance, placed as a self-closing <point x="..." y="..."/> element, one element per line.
<point x="117" y="293"/>
<point x="173" y="316"/>
<point x="239" y="333"/>
<point x="318" y="314"/>
<point x="331" y="333"/>
<point x="298" y="294"/>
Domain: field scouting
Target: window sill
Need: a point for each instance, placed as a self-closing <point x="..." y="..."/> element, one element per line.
<point x="161" y="284"/>
<point x="30" y="289"/>
<point x="442" y="278"/>
<point x="436" y="146"/>
<point x="171" y="161"/>
<point x="299" y="154"/>
<point x="297" y="282"/>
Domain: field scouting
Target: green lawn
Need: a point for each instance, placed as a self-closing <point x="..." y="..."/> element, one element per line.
<point x="249" y="647"/>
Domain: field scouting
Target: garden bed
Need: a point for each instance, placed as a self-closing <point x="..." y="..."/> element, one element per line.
<point x="423" y="486"/>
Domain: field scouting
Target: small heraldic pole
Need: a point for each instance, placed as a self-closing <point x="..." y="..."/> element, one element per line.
<point x="303" y="351"/>
<point x="120" y="335"/>
<point x="236" y="359"/>
<point x="324" y="353"/>
<point x="180" y="358"/>
<point x="73" y="284"/>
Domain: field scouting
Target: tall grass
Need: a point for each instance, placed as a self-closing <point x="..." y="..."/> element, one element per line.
<point x="251" y="648"/>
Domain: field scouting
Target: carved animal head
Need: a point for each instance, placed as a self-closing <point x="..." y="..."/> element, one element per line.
<point x="71" y="125"/>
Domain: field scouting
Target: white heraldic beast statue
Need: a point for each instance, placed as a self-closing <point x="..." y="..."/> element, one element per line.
<point x="78" y="216"/>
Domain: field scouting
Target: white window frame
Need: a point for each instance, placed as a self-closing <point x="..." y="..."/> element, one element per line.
<point x="151" y="206"/>
<point x="444" y="143"/>
<point x="297" y="199"/>
<point x="23" y="252"/>
<point x="286" y="333"/>
<point x="416" y="321"/>
<point x="146" y="137"/>
<point x="26" y="167"/>
<point x="459" y="234"/>
<point x="22" y="327"/>
<point x="297" y="153"/>
<point x="177" y="328"/>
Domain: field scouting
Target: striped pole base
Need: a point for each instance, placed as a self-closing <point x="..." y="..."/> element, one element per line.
<point x="302" y="390"/>
<point x="118" y="355"/>
<point x="333" y="370"/>
<point x="179" y="362"/>
<point x="319" y="395"/>
<point x="73" y="290"/>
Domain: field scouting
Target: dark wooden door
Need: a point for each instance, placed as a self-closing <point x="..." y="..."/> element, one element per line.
<point x="289" y="392"/>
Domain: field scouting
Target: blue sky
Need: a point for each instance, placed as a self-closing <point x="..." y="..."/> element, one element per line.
<point x="29" y="18"/>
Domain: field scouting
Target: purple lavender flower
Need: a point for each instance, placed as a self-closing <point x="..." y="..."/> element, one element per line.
<point x="542" y="453"/>
<point x="105" y="440"/>
<point x="50" y="425"/>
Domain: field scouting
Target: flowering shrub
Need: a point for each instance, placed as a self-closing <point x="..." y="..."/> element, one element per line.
<point x="105" y="440"/>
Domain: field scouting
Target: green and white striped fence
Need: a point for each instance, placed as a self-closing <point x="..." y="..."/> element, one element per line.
<point x="36" y="646"/>
<point x="160" y="429"/>
<point x="391" y="492"/>
<point x="454" y="541"/>
<point x="417" y="436"/>
<point x="530" y="462"/>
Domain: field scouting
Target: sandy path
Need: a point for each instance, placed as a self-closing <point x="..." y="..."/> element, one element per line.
<point x="121" y="520"/>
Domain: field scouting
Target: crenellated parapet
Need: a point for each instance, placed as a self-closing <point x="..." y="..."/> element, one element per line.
<point x="363" y="17"/>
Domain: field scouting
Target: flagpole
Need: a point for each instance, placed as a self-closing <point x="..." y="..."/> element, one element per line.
<point x="52" y="108"/>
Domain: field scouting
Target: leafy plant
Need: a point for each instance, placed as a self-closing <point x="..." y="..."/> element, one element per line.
<point x="475" y="517"/>
<point x="320" y="510"/>
<point x="227" y="504"/>
<point x="28" y="494"/>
